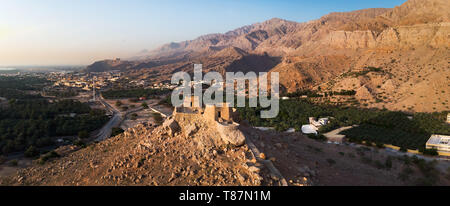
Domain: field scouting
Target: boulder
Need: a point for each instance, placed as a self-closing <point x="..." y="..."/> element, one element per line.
<point x="171" y="126"/>
<point x="231" y="134"/>
<point x="190" y="130"/>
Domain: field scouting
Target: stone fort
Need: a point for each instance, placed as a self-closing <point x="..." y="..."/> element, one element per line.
<point x="220" y="113"/>
<point x="219" y="117"/>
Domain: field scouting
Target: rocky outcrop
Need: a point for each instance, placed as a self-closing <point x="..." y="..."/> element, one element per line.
<point x="231" y="134"/>
<point x="351" y="39"/>
<point x="150" y="156"/>
<point x="363" y="93"/>
<point x="171" y="126"/>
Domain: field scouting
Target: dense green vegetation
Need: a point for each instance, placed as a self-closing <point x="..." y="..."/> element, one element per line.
<point x="365" y="71"/>
<point x="21" y="87"/>
<point x="376" y="126"/>
<point x="22" y="82"/>
<point x="310" y="94"/>
<point x="300" y="93"/>
<point x="377" y="134"/>
<point x="25" y="123"/>
<point x="62" y="94"/>
<point x="133" y="93"/>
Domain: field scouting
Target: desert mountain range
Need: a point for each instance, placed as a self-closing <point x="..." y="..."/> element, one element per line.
<point x="409" y="44"/>
<point x="394" y="58"/>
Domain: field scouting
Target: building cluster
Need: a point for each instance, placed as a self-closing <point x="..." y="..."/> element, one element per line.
<point x="314" y="125"/>
<point x="84" y="81"/>
<point x="441" y="143"/>
<point x="163" y="86"/>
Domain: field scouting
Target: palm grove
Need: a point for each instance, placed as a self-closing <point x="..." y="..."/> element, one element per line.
<point x="29" y="121"/>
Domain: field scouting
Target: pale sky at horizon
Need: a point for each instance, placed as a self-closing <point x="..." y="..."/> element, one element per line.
<point x="55" y="32"/>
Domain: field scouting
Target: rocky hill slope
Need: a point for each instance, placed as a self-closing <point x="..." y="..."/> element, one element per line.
<point x="176" y="153"/>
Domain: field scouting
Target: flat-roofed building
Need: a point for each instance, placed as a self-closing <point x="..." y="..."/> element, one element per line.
<point x="439" y="142"/>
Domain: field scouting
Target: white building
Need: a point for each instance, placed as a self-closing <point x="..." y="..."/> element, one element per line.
<point x="448" y="118"/>
<point x="309" y="129"/>
<point x="439" y="142"/>
<point x="321" y="122"/>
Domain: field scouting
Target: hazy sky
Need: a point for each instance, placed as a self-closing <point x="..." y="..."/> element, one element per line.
<point x="52" y="32"/>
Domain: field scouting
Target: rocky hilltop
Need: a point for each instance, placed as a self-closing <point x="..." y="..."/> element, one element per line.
<point x="179" y="152"/>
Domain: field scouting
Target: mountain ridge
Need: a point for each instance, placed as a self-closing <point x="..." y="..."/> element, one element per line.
<point x="315" y="53"/>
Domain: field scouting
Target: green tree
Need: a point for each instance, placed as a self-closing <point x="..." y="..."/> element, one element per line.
<point x="83" y="134"/>
<point x="116" y="131"/>
<point x="31" y="151"/>
<point x="134" y="116"/>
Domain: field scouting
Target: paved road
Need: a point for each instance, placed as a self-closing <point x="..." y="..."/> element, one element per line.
<point x="334" y="135"/>
<point x="116" y="120"/>
<point x="105" y="131"/>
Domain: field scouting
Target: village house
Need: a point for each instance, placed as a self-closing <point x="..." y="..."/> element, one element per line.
<point x="439" y="142"/>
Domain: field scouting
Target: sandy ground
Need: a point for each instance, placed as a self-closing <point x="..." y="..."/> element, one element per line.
<point x="7" y="170"/>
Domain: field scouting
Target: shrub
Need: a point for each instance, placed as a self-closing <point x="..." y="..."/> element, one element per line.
<point x="319" y="137"/>
<point x="31" y="152"/>
<point x="83" y="134"/>
<point x="403" y="149"/>
<point x="157" y="117"/>
<point x="134" y="116"/>
<point x="366" y="160"/>
<point x="3" y="159"/>
<point x="406" y="160"/>
<point x="46" y="157"/>
<point x="13" y="163"/>
<point x="378" y="164"/>
<point x="134" y="93"/>
<point x="431" y="152"/>
<point x="331" y="161"/>
<point x="429" y="171"/>
<point x="134" y="100"/>
<point x="380" y="145"/>
<point x="448" y="173"/>
<point x="405" y="174"/>
<point x="388" y="163"/>
<point x="79" y="143"/>
<point x="116" y="131"/>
